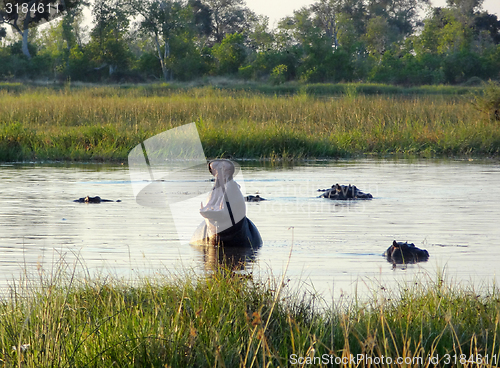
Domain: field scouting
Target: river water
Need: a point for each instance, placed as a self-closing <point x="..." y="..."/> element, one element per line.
<point x="449" y="207"/>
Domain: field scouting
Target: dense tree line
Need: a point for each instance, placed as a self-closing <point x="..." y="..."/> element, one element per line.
<point x="329" y="41"/>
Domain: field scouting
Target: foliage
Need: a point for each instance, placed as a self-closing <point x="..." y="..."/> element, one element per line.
<point x="22" y="15"/>
<point x="108" y="47"/>
<point x="105" y="123"/>
<point x="226" y="319"/>
<point x="78" y="64"/>
<point x="149" y="65"/>
<point x="489" y="101"/>
<point x="327" y="41"/>
<point x="227" y="17"/>
<point x="229" y="54"/>
<point x="278" y="74"/>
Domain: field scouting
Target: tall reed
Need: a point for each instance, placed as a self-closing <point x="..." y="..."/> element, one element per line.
<point x="225" y="320"/>
<point x="104" y="124"/>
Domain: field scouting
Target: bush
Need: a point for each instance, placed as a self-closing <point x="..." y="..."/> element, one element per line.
<point x="489" y="102"/>
<point x="230" y="54"/>
<point x="460" y="66"/>
<point x="278" y="75"/>
<point x="78" y="64"/>
<point x="149" y="65"/>
<point x="246" y="72"/>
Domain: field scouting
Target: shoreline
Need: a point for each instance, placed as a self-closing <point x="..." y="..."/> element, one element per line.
<point x="226" y="319"/>
<point x="277" y="161"/>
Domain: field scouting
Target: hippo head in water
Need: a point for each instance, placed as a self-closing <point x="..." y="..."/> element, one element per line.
<point x="95" y="199"/>
<point x="225" y="222"/>
<point x="399" y="253"/>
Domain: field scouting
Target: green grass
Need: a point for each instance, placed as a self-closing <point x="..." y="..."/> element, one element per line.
<point x="224" y="320"/>
<point x="105" y="123"/>
<point x="231" y="85"/>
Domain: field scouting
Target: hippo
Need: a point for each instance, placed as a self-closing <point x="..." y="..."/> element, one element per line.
<point x="400" y="253"/>
<point x="344" y="192"/>
<point x="225" y="221"/>
<point x="254" y="198"/>
<point x="95" y="199"/>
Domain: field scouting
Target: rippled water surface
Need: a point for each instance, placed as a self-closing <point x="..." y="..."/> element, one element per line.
<point x="451" y="208"/>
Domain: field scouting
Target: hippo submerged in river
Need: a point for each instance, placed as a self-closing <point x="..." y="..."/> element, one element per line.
<point x="95" y="199"/>
<point x="225" y="222"/>
<point x="254" y="198"/>
<point x="344" y="192"/>
<point x="399" y="253"/>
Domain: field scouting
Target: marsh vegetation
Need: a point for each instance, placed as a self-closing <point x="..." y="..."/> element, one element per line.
<point x="228" y="320"/>
<point x="104" y="123"/>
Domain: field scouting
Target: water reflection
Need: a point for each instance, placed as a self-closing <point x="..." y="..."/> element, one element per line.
<point x="231" y="258"/>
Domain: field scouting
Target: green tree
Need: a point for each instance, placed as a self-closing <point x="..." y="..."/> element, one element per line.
<point x="487" y="27"/>
<point x="378" y="35"/>
<point x="52" y="45"/>
<point x="72" y="28"/>
<point x="260" y="38"/>
<point x="401" y="15"/>
<point x="327" y="13"/>
<point x="260" y="44"/>
<point x="161" y="19"/>
<point x="174" y="28"/>
<point x="202" y="17"/>
<point x="230" y="53"/>
<point x="78" y="64"/>
<point x="15" y="13"/>
<point x="108" y="45"/>
<point x="228" y="17"/>
<point x="465" y="9"/>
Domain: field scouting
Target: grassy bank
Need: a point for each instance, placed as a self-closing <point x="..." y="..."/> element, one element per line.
<point x="104" y="123"/>
<point x="231" y="85"/>
<point x="227" y="321"/>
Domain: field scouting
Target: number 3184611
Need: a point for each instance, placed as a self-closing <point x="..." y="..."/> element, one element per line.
<point x="24" y="8"/>
<point x="477" y="359"/>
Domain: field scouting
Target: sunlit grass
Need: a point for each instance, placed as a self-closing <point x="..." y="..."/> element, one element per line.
<point x="227" y="320"/>
<point x="104" y="123"/>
